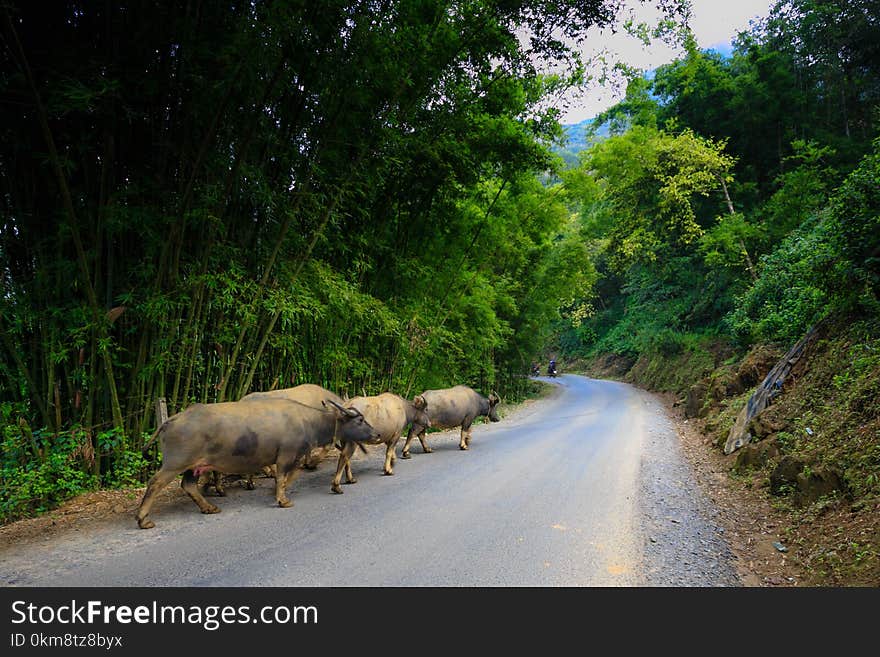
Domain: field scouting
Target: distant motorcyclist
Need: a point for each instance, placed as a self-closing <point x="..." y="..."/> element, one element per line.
<point x="536" y="370"/>
<point x="551" y="368"/>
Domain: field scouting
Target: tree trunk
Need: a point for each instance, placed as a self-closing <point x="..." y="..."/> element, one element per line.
<point x="749" y="264"/>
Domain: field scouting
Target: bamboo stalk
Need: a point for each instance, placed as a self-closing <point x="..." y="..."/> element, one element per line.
<point x="22" y="368"/>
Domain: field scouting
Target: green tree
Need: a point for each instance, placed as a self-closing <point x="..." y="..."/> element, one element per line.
<point x="651" y="184"/>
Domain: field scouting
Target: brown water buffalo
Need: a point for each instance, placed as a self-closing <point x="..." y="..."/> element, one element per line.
<point x="310" y="395"/>
<point x="245" y="437"/>
<point x="389" y="415"/>
<point x="449" y="408"/>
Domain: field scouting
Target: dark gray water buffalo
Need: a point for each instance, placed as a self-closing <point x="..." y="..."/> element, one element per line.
<point x="450" y="408"/>
<point x="310" y="395"/>
<point x="245" y="437"/>
<point x="389" y="415"/>
<point x="306" y="393"/>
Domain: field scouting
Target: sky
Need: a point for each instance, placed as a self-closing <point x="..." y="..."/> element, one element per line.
<point x="714" y="23"/>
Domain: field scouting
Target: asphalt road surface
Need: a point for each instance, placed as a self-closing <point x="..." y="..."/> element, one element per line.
<point x="585" y="488"/>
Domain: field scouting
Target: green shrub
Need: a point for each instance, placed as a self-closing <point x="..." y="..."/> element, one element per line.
<point x="668" y="343"/>
<point x="127" y="469"/>
<point x="40" y="485"/>
<point x="855" y="211"/>
<point x="792" y="292"/>
<point x="40" y="469"/>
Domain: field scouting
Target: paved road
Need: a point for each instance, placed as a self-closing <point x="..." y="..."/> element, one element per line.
<point x="586" y="488"/>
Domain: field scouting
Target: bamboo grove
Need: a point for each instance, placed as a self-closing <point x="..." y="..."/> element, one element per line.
<point x="204" y="199"/>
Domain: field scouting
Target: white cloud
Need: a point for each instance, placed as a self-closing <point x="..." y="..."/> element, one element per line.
<point x="714" y="22"/>
<point x="717" y="22"/>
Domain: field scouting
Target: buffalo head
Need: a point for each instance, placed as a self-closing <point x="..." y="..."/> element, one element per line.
<point x="493" y="402"/>
<point x="421" y="405"/>
<point x="351" y="425"/>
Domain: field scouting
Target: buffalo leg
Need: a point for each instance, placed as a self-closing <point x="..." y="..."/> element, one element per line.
<point x="286" y="472"/>
<point x="464" y="441"/>
<point x="389" y="458"/>
<point x="409" y="437"/>
<point x="349" y="475"/>
<point x="281" y="489"/>
<point x="424" y="441"/>
<point x="315" y="457"/>
<point x="312" y="460"/>
<point x="157" y="482"/>
<point x="249" y="482"/>
<point x="216" y="481"/>
<point x="343" y="463"/>
<point x="404" y="453"/>
<point x="190" y="483"/>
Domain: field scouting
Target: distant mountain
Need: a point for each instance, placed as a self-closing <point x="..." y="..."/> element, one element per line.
<point x="578" y="138"/>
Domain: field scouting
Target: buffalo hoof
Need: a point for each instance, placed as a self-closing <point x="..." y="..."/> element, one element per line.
<point x="405" y="455"/>
<point x="249" y="485"/>
<point x="463" y="447"/>
<point x="388" y="474"/>
<point x="285" y="504"/>
<point x="336" y="489"/>
<point x="221" y="493"/>
<point x="211" y="509"/>
<point x="353" y="480"/>
<point x="146" y="524"/>
<point x="428" y="450"/>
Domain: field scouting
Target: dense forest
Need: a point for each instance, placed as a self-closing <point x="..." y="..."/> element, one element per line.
<point x="212" y="199"/>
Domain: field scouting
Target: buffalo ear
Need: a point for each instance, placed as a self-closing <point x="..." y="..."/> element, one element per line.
<point x="494" y="398"/>
<point x="420" y="402"/>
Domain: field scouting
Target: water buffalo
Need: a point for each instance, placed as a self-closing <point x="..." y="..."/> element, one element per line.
<point x="389" y="415"/>
<point x="310" y="395"/>
<point x="245" y="437"/>
<point x="450" y="408"/>
<point x="306" y="393"/>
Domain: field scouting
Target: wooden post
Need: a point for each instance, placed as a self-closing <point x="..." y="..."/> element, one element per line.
<point x="161" y="412"/>
<point x="57" y="395"/>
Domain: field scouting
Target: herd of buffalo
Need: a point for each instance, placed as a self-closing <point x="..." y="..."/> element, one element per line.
<point x="281" y="430"/>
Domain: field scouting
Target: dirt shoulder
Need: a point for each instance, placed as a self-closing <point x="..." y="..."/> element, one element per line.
<point x="750" y="522"/>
